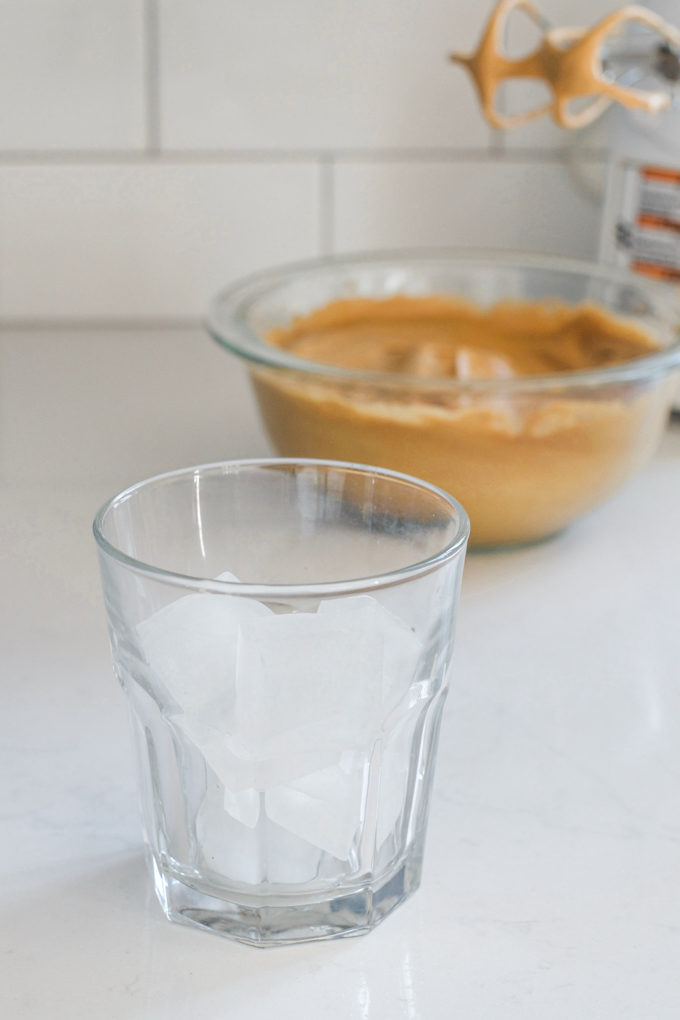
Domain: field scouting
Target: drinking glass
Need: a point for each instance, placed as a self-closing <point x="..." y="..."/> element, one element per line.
<point x="283" y="630"/>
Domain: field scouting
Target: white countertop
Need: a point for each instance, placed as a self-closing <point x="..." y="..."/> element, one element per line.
<point x="552" y="872"/>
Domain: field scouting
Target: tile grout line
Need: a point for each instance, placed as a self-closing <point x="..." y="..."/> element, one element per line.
<point x="497" y="143"/>
<point x="94" y="325"/>
<point x="327" y="204"/>
<point x="176" y="157"/>
<point x="152" y="90"/>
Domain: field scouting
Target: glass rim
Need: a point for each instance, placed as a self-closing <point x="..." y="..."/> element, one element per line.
<point x="271" y="592"/>
<point x="226" y="323"/>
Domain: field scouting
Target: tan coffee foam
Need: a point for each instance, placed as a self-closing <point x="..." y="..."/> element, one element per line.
<point x="523" y="464"/>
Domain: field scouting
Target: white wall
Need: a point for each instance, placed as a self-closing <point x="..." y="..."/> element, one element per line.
<point x="152" y="150"/>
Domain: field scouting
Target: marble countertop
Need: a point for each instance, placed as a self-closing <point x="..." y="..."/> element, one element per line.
<point x="552" y="873"/>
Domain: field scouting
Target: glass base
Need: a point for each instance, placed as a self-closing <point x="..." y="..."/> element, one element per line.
<point x="347" y="914"/>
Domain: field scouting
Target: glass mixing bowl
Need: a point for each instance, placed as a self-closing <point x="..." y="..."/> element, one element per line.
<point x="524" y="455"/>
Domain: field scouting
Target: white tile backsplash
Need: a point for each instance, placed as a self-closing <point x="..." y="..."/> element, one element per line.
<point x="262" y="74"/>
<point x="71" y="74"/>
<point x="151" y="150"/>
<point x="98" y="241"/>
<point x="117" y="407"/>
<point x="493" y="203"/>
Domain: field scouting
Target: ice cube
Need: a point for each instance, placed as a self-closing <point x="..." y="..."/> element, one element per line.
<point x="191" y="645"/>
<point x="244" y="806"/>
<point x="401" y="649"/>
<point x="324" y="808"/>
<point x="307" y="682"/>
<point x="289" y="859"/>
<point x="241" y="774"/>
<point x="272" y="701"/>
<point x="228" y="847"/>
<point x="265" y="853"/>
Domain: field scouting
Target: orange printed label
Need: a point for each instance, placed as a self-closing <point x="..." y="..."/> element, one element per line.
<point x="654" y="222"/>
<point x="657" y="271"/>
<point x="661" y="174"/>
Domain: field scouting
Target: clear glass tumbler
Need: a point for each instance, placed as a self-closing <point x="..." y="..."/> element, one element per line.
<point x="283" y="632"/>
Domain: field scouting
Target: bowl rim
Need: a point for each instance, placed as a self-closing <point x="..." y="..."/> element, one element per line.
<point x="226" y="323"/>
<point x="328" y="589"/>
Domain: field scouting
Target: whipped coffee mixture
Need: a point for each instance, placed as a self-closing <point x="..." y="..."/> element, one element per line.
<point x="522" y="463"/>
